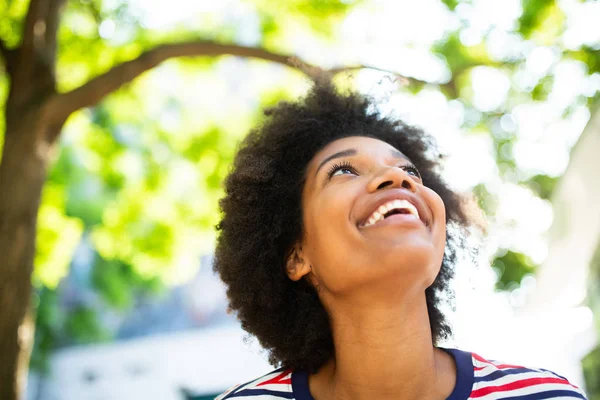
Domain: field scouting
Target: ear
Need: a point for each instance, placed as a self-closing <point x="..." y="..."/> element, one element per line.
<point x="297" y="266"/>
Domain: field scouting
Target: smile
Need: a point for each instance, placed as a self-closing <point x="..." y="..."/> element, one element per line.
<point x="396" y="209"/>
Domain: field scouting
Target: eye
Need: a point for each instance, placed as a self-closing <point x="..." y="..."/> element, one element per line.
<point x="411" y="170"/>
<point x="343" y="167"/>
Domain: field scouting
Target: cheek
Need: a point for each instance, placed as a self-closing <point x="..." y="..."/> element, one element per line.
<point x="328" y="236"/>
<point x="441" y="216"/>
<point x="438" y="210"/>
<point x="328" y="214"/>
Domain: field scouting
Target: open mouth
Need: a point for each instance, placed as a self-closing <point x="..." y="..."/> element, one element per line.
<point x="390" y="208"/>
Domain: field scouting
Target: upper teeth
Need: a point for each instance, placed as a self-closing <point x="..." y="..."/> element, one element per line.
<point x="391" y="205"/>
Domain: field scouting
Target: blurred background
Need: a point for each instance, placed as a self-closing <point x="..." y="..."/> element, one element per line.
<point x="124" y="300"/>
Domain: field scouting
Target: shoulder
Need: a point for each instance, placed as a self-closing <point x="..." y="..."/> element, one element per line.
<point x="276" y="384"/>
<point x="493" y="379"/>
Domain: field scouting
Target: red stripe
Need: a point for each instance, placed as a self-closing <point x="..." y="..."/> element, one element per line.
<point x="483" y="360"/>
<point x="516" y="385"/>
<point x="278" y="380"/>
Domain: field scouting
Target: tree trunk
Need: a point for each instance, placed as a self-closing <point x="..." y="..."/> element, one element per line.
<point x="22" y="175"/>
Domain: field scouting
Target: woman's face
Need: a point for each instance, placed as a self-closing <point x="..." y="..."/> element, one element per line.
<point x="370" y="223"/>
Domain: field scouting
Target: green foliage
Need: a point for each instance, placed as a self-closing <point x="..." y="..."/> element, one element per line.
<point x="511" y="267"/>
<point x="486" y="201"/>
<point x="57" y="324"/>
<point x="542" y="89"/>
<point x="281" y="21"/>
<point x="504" y="148"/>
<point x="588" y="55"/>
<point x="319" y="15"/>
<point x="79" y="37"/>
<point x="533" y="15"/>
<point x="48" y="327"/>
<point x="57" y="238"/>
<point x="459" y="57"/>
<point x="542" y="185"/>
<point x="83" y="325"/>
<point x="451" y="4"/>
<point x="116" y="282"/>
<point x="13" y="14"/>
<point x="591" y="366"/>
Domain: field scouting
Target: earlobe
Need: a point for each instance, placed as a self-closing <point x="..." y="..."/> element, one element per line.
<point x="296" y="265"/>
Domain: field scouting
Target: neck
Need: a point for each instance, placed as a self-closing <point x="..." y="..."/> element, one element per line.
<point x="384" y="352"/>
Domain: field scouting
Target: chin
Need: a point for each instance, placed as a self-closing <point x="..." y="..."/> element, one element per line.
<point x="417" y="248"/>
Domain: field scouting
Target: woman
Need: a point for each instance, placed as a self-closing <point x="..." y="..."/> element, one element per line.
<point x="336" y="255"/>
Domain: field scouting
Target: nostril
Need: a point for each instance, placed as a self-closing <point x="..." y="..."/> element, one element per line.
<point x="406" y="184"/>
<point x="384" y="184"/>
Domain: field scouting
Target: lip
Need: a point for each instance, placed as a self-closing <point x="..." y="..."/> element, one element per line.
<point x="395" y="194"/>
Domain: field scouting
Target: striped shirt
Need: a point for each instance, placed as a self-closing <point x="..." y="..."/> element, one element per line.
<point x="476" y="378"/>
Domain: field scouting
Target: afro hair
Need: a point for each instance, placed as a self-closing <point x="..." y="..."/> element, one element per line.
<point x="262" y="220"/>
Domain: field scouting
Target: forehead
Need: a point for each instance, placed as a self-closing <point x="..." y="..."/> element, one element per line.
<point x="362" y="145"/>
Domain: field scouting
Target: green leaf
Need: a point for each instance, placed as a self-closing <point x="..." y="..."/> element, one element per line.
<point x="542" y="89"/>
<point x="57" y="238"/>
<point x="113" y="280"/>
<point x="82" y="324"/>
<point x="49" y="322"/>
<point x="542" y="185"/>
<point x="451" y="4"/>
<point x="511" y="268"/>
<point x="486" y="201"/>
<point x="533" y="13"/>
<point x="591" y="365"/>
<point x="588" y="55"/>
<point x="542" y="20"/>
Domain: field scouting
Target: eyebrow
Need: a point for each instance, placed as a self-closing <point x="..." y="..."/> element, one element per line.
<point x="351" y="152"/>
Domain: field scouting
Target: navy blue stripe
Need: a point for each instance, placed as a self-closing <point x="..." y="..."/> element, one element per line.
<point x="499" y="374"/>
<point x="550" y="394"/>
<point x="260" y="392"/>
<point x="300" y="386"/>
<point x="553" y="373"/>
<point x="464" y="374"/>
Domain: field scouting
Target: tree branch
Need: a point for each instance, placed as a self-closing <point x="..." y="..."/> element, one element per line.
<point x="62" y="105"/>
<point x="401" y="79"/>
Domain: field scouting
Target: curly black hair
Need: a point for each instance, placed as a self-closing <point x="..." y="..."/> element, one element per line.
<point x="262" y="220"/>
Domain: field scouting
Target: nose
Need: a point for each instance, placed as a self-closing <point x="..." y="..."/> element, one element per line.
<point x="392" y="177"/>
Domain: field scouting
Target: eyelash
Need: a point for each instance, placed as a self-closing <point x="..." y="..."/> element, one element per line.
<point x="335" y="167"/>
<point x="347" y="165"/>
